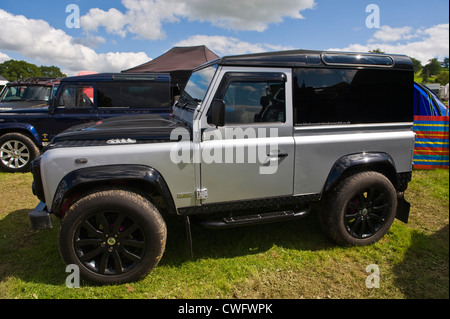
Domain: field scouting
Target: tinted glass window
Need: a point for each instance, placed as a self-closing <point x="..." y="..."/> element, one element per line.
<point x="133" y="94"/>
<point x="76" y="96"/>
<point x="195" y="90"/>
<point x="344" y="96"/>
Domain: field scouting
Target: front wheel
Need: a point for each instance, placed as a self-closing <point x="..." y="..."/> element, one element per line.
<point x="361" y="211"/>
<point x="113" y="236"/>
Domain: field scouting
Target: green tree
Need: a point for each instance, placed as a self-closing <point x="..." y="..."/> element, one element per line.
<point x="376" y="51"/>
<point x="51" y="72"/>
<point x="417" y="65"/>
<point x="433" y="67"/>
<point x="14" y="70"/>
<point x="442" y="78"/>
<point x="425" y="75"/>
<point x="445" y="64"/>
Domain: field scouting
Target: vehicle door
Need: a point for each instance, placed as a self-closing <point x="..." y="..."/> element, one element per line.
<point x="74" y="105"/>
<point x="252" y="155"/>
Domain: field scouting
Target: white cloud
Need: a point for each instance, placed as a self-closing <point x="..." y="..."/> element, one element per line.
<point x="4" y="57"/>
<point x="388" y="34"/>
<point x="146" y="18"/>
<point x="222" y="45"/>
<point x="143" y="18"/>
<point x="253" y="15"/>
<point x="37" y="40"/>
<point x="423" y="44"/>
<point x="113" y="20"/>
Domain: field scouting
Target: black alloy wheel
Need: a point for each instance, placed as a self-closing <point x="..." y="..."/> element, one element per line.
<point x="366" y="212"/>
<point x="113" y="236"/>
<point x="360" y="210"/>
<point x="109" y="242"/>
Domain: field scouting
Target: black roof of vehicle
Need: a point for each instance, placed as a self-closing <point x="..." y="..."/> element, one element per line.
<point x="310" y="58"/>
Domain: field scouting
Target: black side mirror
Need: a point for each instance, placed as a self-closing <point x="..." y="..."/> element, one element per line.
<point x="217" y="112"/>
<point x="52" y="105"/>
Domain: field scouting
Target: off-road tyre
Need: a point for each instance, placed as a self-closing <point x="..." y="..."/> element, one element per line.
<point x="113" y="236"/>
<point x="361" y="209"/>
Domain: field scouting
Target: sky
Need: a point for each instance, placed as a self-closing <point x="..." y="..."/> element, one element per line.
<point x="114" y="35"/>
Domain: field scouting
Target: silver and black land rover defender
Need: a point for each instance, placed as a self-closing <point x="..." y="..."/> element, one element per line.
<point x="253" y="138"/>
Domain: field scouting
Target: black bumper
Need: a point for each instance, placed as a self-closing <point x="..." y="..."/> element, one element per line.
<point x="40" y="218"/>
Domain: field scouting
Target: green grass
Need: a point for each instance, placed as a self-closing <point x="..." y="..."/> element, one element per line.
<point x="283" y="260"/>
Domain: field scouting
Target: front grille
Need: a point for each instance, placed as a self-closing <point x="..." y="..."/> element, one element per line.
<point x="38" y="189"/>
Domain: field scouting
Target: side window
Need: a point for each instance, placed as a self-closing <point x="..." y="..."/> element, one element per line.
<point x="332" y="96"/>
<point x="76" y="96"/>
<point x="133" y="94"/>
<point x="254" y="100"/>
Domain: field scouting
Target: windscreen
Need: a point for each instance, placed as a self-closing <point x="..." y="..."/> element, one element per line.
<point x="195" y="90"/>
<point x="27" y="93"/>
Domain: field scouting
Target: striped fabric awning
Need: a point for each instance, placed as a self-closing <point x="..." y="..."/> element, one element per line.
<point x="431" y="149"/>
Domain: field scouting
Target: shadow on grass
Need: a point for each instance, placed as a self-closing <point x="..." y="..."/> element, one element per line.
<point x="302" y="234"/>
<point x="33" y="256"/>
<point x="424" y="271"/>
<point x="28" y="254"/>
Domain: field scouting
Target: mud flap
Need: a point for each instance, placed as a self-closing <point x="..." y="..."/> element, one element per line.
<point x="403" y="208"/>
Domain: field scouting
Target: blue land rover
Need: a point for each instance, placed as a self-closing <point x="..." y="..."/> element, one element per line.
<point x="78" y="100"/>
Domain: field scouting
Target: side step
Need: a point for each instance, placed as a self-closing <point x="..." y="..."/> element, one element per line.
<point x="237" y="221"/>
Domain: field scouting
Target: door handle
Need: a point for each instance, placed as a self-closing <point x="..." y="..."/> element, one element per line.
<point x="279" y="155"/>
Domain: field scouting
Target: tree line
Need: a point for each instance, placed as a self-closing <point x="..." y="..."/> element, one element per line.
<point x="434" y="68"/>
<point x="14" y="70"/>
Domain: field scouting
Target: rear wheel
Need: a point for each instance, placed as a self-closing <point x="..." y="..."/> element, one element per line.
<point x="17" y="151"/>
<point x="113" y="236"/>
<point x="361" y="211"/>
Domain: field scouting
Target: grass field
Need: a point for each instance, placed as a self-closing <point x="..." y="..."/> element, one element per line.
<point x="285" y="260"/>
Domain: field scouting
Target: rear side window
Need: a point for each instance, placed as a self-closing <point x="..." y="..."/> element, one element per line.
<point x="133" y="94"/>
<point x="351" y="96"/>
